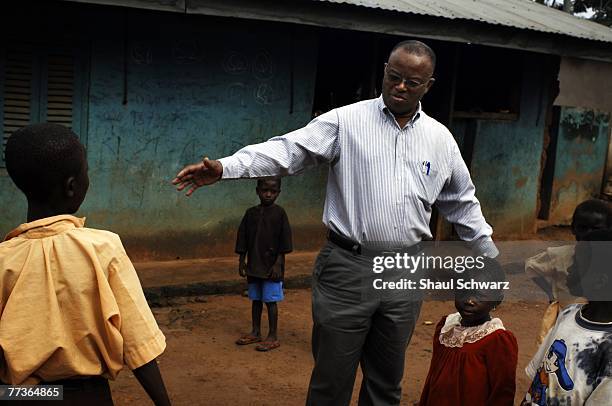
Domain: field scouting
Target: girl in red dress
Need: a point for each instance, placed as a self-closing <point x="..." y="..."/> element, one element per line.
<point x="474" y="357"/>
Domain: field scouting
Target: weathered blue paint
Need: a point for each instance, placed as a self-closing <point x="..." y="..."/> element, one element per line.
<point x="196" y="91"/>
<point x="13" y="204"/>
<point x="195" y="86"/>
<point x="581" y="157"/>
<point x="200" y="85"/>
<point x="507" y="154"/>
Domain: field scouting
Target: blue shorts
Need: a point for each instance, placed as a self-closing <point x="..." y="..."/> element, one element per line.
<point x="265" y="290"/>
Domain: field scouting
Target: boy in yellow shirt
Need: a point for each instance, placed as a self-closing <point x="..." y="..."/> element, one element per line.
<point x="72" y="311"/>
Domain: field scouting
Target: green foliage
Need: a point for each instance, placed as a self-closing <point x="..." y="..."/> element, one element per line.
<point x="602" y="9"/>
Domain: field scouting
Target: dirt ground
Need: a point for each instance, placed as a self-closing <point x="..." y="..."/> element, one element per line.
<point x="203" y="366"/>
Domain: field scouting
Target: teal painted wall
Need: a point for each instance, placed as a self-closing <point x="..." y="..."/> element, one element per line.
<point x="13" y="204"/>
<point x="194" y="86"/>
<point x="164" y="89"/>
<point x="200" y="89"/>
<point x="507" y="154"/>
<point x="581" y="158"/>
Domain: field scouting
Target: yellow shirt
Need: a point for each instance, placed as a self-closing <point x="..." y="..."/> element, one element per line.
<point x="553" y="265"/>
<point x="71" y="304"/>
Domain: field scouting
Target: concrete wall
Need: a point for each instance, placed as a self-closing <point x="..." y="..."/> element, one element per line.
<point x="169" y="88"/>
<point x="506" y="159"/>
<point x="581" y="158"/>
<point x="165" y="88"/>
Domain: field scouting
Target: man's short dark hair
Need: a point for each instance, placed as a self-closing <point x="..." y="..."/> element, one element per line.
<point x="418" y="48"/>
<point x="260" y="181"/>
<point x="40" y="156"/>
<point x="594" y="206"/>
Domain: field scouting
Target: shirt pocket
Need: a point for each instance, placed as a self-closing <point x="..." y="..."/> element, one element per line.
<point x="426" y="180"/>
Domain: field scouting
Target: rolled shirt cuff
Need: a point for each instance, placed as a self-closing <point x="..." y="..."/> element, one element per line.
<point x="485" y="247"/>
<point x="145" y="352"/>
<point x="229" y="168"/>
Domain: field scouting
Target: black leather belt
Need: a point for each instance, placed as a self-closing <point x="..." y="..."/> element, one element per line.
<point x="356" y="248"/>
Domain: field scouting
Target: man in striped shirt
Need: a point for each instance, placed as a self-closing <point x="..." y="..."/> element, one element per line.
<point x="389" y="163"/>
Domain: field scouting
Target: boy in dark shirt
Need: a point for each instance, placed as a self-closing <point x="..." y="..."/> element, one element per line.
<point x="264" y="237"/>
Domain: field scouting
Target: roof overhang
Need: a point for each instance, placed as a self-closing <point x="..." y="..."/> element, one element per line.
<point x="343" y="15"/>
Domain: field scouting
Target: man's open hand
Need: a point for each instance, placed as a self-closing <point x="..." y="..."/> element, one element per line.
<point x="194" y="176"/>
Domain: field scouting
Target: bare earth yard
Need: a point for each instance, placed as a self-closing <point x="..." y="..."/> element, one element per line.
<point x="203" y="366"/>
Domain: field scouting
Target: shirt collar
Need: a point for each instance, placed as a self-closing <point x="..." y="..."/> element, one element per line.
<point x="382" y="107"/>
<point x="590" y="325"/>
<point x="47" y="227"/>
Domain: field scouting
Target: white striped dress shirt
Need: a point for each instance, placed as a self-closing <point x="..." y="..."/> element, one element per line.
<point x="383" y="179"/>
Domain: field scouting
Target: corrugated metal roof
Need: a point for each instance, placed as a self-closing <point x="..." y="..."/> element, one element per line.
<point x="522" y="14"/>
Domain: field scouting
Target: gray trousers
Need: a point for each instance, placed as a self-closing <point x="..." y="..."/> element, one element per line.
<point x="354" y="324"/>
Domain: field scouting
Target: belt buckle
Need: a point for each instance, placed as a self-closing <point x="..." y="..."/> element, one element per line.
<point x="388" y="253"/>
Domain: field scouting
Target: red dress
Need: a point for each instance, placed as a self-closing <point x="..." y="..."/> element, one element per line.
<point x="478" y="373"/>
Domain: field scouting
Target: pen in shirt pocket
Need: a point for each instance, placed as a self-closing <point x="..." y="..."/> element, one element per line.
<point x="426" y="167"/>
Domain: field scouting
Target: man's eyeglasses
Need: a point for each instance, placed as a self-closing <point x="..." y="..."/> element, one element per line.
<point x="396" y="79"/>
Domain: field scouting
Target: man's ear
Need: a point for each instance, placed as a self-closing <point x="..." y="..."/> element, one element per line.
<point x="69" y="186"/>
<point x="430" y="83"/>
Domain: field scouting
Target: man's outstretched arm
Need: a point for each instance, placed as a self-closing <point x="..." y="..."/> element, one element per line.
<point x="458" y="203"/>
<point x="284" y="155"/>
<point x="200" y="174"/>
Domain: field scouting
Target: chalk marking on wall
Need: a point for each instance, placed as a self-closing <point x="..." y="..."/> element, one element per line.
<point x="186" y="51"/>
<point x="145" y="146"/>
<point x="264" y="94"/>
<point x="235" y="92"/>
<point x="263" y="68"/>
<point x="142" y="53"/>
<point x="188" y="151"/>
<point x="235" y="63"/>
<point x="112" y="116"/>
<point x="108" y="143"/>
<point x="140" y="118"/>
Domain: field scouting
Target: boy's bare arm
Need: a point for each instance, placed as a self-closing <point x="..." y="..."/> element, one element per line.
<point x="545" y="285"/>
<point x="242" y="265"/>
<point x="541" y="269"/>
<point x="150" y="379"/>
<point x="277" y="269"/>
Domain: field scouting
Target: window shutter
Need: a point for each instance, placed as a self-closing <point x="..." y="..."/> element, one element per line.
<point x="17" y="92"/>
<point x="40" y="82"/>
<point x="60" y="89"/>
